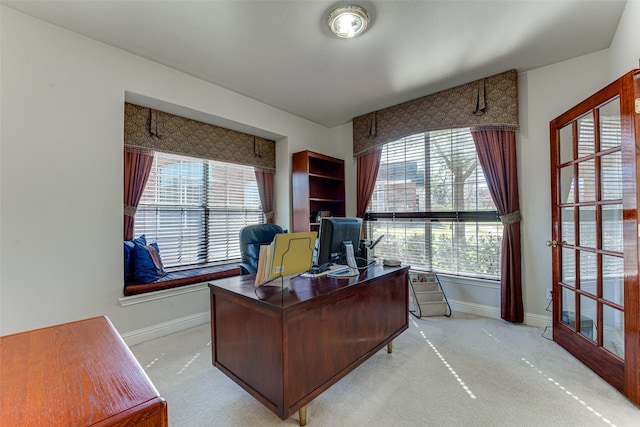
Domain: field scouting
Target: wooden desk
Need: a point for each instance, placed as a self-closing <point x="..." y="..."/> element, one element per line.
<point x="285" y="347"/>
<point x="75" y="374"/>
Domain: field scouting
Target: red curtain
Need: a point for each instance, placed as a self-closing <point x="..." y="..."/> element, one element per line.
<point x="497" y="155"/>
<point x="137" y="166"/>
<point x="264" y="179"/>
<point x="367" y="172"/>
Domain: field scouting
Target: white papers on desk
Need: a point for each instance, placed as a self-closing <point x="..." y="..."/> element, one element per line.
<point x="332" y="269"/>
<point x="344" y="272"/>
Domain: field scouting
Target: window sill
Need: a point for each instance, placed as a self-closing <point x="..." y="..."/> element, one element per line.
<point x="181" y="279"/>
<point x="466" y="280"/>
<point x="166" y="293"/>
<point x="469" y="281"/>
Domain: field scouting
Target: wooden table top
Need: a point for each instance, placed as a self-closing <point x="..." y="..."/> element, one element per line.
<point x="80" y="373"/>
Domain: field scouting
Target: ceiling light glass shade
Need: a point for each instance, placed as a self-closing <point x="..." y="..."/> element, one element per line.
<point x="348" y="21"/>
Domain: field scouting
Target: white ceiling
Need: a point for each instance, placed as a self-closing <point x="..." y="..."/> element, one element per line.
<point x="281" y="52"/>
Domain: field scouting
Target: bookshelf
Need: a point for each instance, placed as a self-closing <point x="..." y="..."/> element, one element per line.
<point x="318" y="185"/>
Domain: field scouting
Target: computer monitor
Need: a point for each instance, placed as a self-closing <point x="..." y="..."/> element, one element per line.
<point x="334" y="231"/>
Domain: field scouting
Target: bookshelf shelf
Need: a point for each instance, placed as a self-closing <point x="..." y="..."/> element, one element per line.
<point x="318" y="199"/>
<point x="313" y="175"/>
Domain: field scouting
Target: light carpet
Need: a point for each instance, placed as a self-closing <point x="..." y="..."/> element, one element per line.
<point x="458" y="371"/>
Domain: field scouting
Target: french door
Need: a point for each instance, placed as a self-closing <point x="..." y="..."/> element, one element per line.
<point x="594" y="189"/>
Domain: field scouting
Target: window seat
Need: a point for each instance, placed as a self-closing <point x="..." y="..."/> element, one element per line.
<point x="183" y="277"/>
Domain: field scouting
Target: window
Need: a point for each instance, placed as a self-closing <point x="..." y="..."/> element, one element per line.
<point x="195" y="208"/>
<point x="432" y="203"/>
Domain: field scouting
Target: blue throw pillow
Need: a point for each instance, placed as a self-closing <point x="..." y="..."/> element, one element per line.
<point x="128" y="248"/>
<point x="147" y="264"/>
<point x="141" y="240"/>
<point x="128" y="256"/>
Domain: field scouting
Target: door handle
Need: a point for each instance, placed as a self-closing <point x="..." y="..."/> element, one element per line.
<point x="552" y="243"/>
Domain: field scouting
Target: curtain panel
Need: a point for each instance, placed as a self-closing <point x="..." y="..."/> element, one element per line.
<point x="497" y="155"/>
<point x="367" y="167"/>
<point x="146" y="128"/>
<point x="492" y="101"/>
<point x="137" y="167"/>
<point x="265" y="181"/>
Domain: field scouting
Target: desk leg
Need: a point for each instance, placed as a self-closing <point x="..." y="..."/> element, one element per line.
<point x="390" y="347"/>
<point x="303" y="416"/>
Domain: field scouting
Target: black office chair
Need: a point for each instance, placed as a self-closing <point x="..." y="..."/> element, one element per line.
<point x="251" y="238"/>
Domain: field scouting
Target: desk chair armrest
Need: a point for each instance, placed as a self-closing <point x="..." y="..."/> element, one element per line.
<point x="246" y="269"/>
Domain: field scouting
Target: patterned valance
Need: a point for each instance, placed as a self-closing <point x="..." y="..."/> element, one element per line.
<point x="146" y="128"/>
<point x="492" y="101"/>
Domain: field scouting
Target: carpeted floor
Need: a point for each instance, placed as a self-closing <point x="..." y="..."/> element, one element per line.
<point x="458" y="371"/>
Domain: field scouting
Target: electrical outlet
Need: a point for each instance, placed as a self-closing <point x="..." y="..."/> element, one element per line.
<point x="549" y="294"/>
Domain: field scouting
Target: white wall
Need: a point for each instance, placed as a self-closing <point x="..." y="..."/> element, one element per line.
<point x="625" y="48"/>
<point x="545" y="93"/>
<point x="61" y="172"/>
<point x="341" y="146"/>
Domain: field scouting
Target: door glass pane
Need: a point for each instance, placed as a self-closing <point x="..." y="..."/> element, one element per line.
<point x="588" y="272"/>
<point x="611" y="176"/>
<point x="568" y="304"/>
<point x="613" y="279"/>
<point x="568" y="274"/>
<point x="587" y="316"/>
<point x="610" y="125"/>
<point x="567" y="188"/>
<point x="587" y="215"/>
<point x="566" y="144"/>
<point x="612" y="228"/>
<point x="586" y="181"/>
<point x="567" y="228"/>
<point x="586" y="140"/>
<point x="613" y="330"/>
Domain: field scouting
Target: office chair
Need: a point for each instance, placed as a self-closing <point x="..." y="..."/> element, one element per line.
<point x="251" y="238"/>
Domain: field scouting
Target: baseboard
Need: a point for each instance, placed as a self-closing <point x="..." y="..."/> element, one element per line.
<point x="165" y="328"/>
<point x="537" y="320"/>
<point x="476" y="309"/>
<point x="530" y="319"/>
<point x="165" y="293"/>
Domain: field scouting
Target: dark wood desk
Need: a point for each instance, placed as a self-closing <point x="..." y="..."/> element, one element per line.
<point x="285" y="347"/>
<point x="75" y="374"/>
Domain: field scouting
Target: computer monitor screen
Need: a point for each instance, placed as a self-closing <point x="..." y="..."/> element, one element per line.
<point x="334" y="231"/>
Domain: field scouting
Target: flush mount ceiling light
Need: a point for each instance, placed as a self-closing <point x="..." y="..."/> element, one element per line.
<point x="348" y="21"/>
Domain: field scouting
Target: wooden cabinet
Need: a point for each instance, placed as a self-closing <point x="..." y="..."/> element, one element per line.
<point x="318" y="185"/>
<point x="76" y="374"/>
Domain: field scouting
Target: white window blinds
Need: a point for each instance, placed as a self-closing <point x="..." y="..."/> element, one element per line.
<point x="432" y="203"/>
<point x="194" y="209"/>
